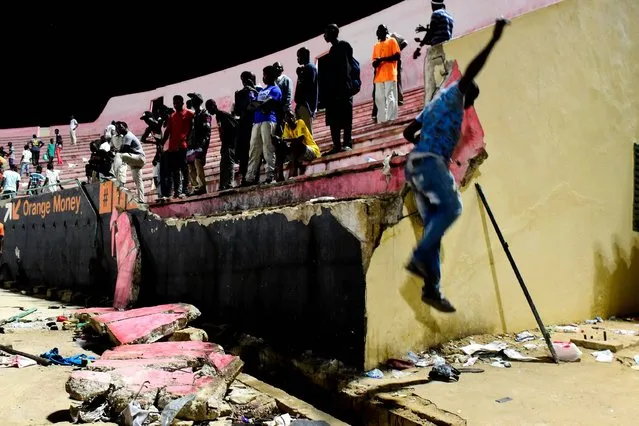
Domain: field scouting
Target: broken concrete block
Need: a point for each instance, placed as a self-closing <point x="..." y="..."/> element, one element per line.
<point x="83" y="385"/>
<point x="119" y="398"/>
<point x="207" y="405"/>
<point x="197" y="352"/>
<point x="147" y="329"/>
<point x="9" y="284"/>
<point x="85" y="314"/>
<point x="124" y="238"/>
<point x="51" y="293"/>
<point x="169" y="363"/>
<point x="601" y="345"/>
<point x="101" y="321"/>
<point x="189" y="334"/>
<point x="227" y="366"/>
<point x="65" y="295"/>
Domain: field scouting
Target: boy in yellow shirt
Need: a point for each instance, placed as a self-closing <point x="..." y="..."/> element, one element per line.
<point x="297" y="145"/>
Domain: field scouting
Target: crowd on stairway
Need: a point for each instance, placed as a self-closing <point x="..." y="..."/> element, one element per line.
<point x="270" y="123"/>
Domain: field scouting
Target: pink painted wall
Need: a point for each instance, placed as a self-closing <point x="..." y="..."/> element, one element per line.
<point x="470" y="16"/>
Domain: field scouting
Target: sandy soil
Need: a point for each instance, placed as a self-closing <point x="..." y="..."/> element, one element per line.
<point x="35" y="395"/>
<point x="543" y="393"/>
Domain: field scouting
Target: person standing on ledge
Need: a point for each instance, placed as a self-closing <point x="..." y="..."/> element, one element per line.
<point x="427" y="170"/>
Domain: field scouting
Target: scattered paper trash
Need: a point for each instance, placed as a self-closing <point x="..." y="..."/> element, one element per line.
<point x="493" y="347"/>
<point x="505" y="399"/>
<point x="397" y="374"/>
<point x="566" y="329"/>
<point x="603" y="356"/>
<point x="375" y="373"/>
<point x="531" y="346"/>
<point x="500" y="363"/>
<point x="19" y="361"/>
<point x="524" y="336"/>
<point x="471" y="361"/>
<point x="515" y="355"/>
<point x="596" y="320"/>
<point x="626" y="332"/>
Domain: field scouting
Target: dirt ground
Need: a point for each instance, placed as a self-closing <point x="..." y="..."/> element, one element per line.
<point x="35" y="395"/>
<point x="587" y="392"/>
<point x="542" y="393"/>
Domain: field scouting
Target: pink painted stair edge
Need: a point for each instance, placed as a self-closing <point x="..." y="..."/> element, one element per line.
<point x="146" y="329"/>
<point x="190" y="350"/>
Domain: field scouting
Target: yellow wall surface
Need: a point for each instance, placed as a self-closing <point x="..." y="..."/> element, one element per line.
<point x="559" y="106"/>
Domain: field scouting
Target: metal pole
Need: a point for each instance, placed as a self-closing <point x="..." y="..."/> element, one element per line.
<point x="504" y="244"/>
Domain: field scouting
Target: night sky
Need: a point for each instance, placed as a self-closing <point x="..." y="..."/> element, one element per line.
<point x="65" y="60"/>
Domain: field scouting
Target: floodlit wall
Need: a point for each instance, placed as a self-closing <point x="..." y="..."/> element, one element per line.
<point x="559" y="108"/>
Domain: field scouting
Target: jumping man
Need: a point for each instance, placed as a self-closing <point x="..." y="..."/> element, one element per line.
<point x="427" y="172"/>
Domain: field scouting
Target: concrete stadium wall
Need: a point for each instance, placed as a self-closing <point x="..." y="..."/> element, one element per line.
<point x="292" y="275"/>
<point x="469" y="16"/>
<point x="560" y="111"/>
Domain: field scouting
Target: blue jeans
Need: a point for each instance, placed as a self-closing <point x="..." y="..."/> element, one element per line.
<point x="439" y="205"/>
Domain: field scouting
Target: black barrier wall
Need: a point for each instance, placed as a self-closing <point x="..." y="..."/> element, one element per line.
<point x="56" y="236"/>
<point x="301" y="285"/>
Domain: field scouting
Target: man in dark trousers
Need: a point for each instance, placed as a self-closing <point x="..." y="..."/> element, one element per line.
<point x="338" y="90"/>
<point x="198" y="144"/>
<point x="244" y="114"/>
<point x="428" y="174"/>
<point x="227" y="127"/>
<point x="306" y="89"/>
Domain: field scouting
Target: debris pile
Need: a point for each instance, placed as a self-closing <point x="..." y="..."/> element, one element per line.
<point x="148" y="377"/>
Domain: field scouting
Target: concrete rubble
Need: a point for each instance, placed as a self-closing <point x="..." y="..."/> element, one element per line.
<point x="149" y="368"/>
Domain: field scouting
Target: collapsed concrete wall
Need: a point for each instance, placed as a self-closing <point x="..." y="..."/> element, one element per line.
<point x="293" y="275"/>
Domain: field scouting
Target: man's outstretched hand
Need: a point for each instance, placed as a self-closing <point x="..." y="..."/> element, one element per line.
<point x="500" y="24"/>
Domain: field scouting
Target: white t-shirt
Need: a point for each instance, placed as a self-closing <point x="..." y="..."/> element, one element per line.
<point x="73" y="125"/>
<point x="11" y="180"/>
<point x="26" y="156"/>
<point x="109" y="132"/>
<point x="54" y="177"/>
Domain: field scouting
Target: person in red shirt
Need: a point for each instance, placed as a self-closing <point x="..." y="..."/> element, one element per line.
<point x="177" y="134"/>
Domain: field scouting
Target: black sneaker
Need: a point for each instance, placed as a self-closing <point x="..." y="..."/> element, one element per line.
<point x="417" y="269"/>
<point x="332" y="151"/>
<point x="433" y="297"/>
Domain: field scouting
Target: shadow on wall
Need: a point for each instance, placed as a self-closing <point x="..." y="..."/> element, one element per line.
<point x="616" y="286"/>
<point x="487" y="229"/>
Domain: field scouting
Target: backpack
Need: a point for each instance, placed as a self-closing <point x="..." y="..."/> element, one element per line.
<point x="354" y="74"/>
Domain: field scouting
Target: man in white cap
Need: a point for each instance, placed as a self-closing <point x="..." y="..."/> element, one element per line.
<point x="439" y="31"/>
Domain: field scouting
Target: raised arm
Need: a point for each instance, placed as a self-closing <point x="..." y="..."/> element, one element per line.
<point x="479" y="61"/>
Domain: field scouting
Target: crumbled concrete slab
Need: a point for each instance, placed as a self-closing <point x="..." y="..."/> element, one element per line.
<point x="288" y="403"/>
<point x="85" y="314"/>
<point x="172" y="363"/>
<point x="189" y="334"/>
<point x="147" y="329"/>
<point x="207" y="405"/>
<point x="84" y="385"/>
<point x="196" y="351"/>
<point x="226" y="366"/>
<point x="100" y="321"/>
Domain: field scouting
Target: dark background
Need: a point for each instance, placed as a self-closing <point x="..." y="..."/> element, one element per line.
<point x="66" y="59"/>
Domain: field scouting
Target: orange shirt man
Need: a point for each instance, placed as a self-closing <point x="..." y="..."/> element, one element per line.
<point x="386" y="55"/>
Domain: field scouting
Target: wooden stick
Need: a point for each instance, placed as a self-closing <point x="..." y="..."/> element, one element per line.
<point x="39" y="360"/>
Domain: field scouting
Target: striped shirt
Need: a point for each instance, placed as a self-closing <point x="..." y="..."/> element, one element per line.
<point x="441" y="27"/>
